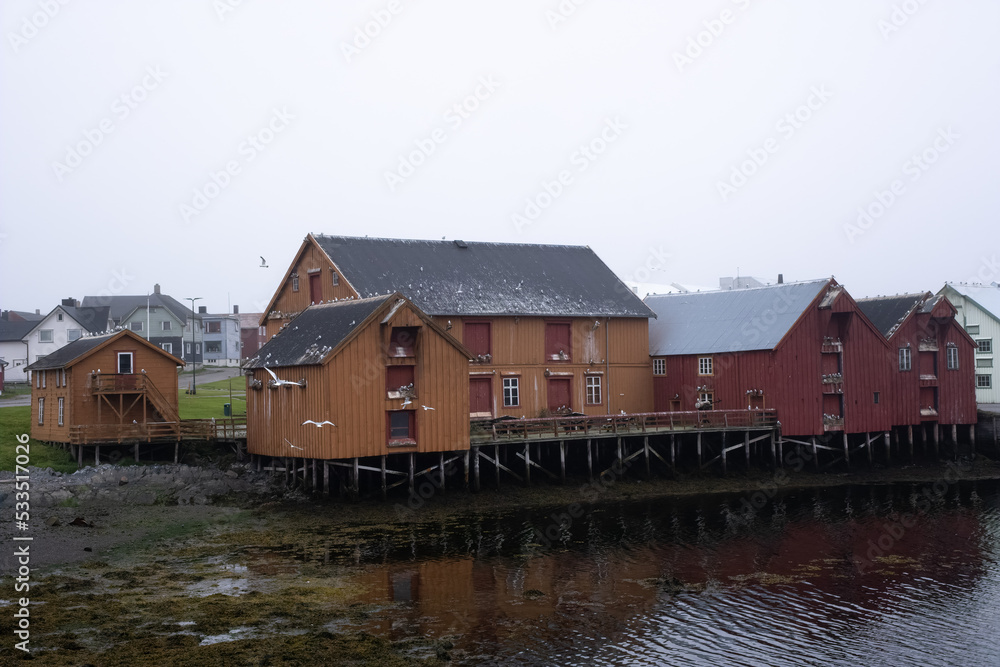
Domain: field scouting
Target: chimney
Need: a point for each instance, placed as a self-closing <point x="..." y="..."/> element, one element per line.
<point x="236" y="310"/>
<point x="156" y="288"/>
<point x="202" y="310"/>
<point x="37" y="311"/>
<point x="781" y="278"/>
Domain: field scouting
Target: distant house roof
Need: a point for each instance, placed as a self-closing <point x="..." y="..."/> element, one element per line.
<point x="70" y="352"/>
<point x="888" y="312"/>
<point x="311" y="336"/>
<point x="986" y="297"/>
<point x="22" y="316"/>
<point x="94" y="319"/>
<point x="458" y="278"/>
<point x="14" y="330"/>
<point x="121" y="306"/>
<point x="249" y="320"/>
<point x="730" y="320"/>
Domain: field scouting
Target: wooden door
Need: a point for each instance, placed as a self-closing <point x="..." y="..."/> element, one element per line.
<point x="315" y="290"/>
<point x="481" y="396"/>
<point x="559" y="394"/>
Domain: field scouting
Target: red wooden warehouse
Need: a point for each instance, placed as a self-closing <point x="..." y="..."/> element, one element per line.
<point x="804" y="348"/>
<point x="931" y="360"/>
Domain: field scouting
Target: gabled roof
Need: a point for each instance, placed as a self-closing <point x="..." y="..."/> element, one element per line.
<point x="458" y="278"/>
<point x="729" y="320"/>
<point x="23" y="315"/>
<point x="887" y="313"/>
<point x="70" y="353"/>
<point x="122" y="305"/>
<point x="91" y="319"/>
<point x="14" y="331"/>
<point x="987" y="297"/>
<point x="317" y="331"/>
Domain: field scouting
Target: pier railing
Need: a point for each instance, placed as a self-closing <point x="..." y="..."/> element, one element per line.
<point x="557" y="428"/>
<point x="185" y="429"/>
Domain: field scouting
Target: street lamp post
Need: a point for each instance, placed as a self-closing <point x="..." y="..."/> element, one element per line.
<point x="194" y="357"/>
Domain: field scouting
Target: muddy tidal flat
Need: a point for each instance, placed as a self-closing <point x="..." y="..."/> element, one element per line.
<point x="687" y="571"/>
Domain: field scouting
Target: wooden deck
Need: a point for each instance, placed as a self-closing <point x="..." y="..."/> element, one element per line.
<point x="606" y="426"/>
<point x="227" y="429"/>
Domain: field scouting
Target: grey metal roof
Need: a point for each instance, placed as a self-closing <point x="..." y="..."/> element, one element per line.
<point x="94" y="319"/>
<point x="888" y="312"/>
<point x="123" y="304"/>
<point x="729" y="320"/>
<point x="311" y="336"/>
<point x="13" y="331"/>
<point x="459" y="278"/>
<point x="70" y="352"/>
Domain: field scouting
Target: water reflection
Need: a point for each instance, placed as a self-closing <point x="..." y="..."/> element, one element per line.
<point x="855" y="575"/>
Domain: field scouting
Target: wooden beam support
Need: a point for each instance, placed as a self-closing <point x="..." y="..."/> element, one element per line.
<point x="562" y="461"/>
<point x="475" y="468"/>
<point x="590" y="460"/>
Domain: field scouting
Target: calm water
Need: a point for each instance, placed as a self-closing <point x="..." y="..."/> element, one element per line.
<point x="887" y="575"/>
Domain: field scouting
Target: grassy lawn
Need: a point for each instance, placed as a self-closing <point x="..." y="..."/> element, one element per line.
<point x="208" y="402"/>
<point x="20" y="389"/>
<point x="16" y="421"/>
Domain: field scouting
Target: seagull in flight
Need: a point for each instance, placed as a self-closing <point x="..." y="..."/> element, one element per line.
<point x="293" y="446"/>
<point x="318" y="424"/>
<point x="275" y="382"/>
<point x="263" y="262"/>
<point x="426" y="408"/>
<point x="406" y="402"/>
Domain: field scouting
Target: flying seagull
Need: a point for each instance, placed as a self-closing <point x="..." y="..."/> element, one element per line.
<point x="318" y="424"/>
<point x="263" y="262"/>
<point x="292" y="446"/>
<point x="426" y="408"/>
<point x="275" y="382"/>
<point x="406" y="402"/>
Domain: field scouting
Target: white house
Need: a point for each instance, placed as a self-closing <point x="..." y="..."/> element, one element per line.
<point x="979" y="312"/>
<point x="63" y="325"/>
<point x="13" y="350"/>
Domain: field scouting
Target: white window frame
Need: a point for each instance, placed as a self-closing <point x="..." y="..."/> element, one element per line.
<point x="905" y="359"/>
<point x="118" y="363"/>
<point x="61" y="410"/>
<point x="659" y="367"/>
<point x="706" y="366"/>
<point x="74" y="334"/>
<point x="979" y="346"/>
<point x="44" y="378"/>
<point x="166" y="325"/>
<point x="512" y="392"/>
<point x="41" y="410"/>
<point x="972" y="329"/>
<point x="295" y="282"/>
<point x="984" y="381"/>
<point x="595" y="395"/>
<point x="336" y="278"/>
<point x="984" y="363"/>
<point x="167" y="347"/>
<point x="135" y="326"/>
<point x="952" y="354"/>
<point x="42" y="335"/>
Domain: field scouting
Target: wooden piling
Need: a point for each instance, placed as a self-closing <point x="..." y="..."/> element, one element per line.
<point x="465" y="465"/>
<point x="972" y="440"/>
<point x="746" y="447"/>
<point x="936" y="435"/>
<point x="97" y="455"/>
<point x="177" y="452"/>
<point x="725" y="468"/>
<point x="562" y="460"/>
<point x="326" y="477"/>
<point x="441" y="468"/>
<point x="496" y="460"/>
<point x="475" y="468"/>
<point x="673" y="454"/>
<point x="847" y="451"/>
<point x="645" y="448"/>
<point x="413" y="465"/>
<point x="527" y="463"/>
<point x="590" y="462"/>
<point x="384" y="490"/>
<point x="815" y="453"/>
<point x="909" y="439"/>
<point x="700" y="459"/>
<point x="135" y="456"/>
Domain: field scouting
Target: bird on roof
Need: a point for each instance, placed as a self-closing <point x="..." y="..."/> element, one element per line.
<point x="263" y="262"/>
<point x="318" y="424"/>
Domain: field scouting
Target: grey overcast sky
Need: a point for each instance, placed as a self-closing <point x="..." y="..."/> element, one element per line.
<point x="175" y="142"/>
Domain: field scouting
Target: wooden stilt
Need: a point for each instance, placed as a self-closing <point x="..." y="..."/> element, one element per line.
<point x="383" y="477"/>
<point x="590" y="462"/>
<point x="79" y="454"/>
<point x="465" y="462"/>
<point x="954" y="439"/>
<point x="315" y="482"/>
<point x="700" y="459"/>
<point x="909" y="439"/>
<point x="972" y="440"/>
<point x="496" y="459"/>
<point x="815" y="453"/>
<point x="673" y="454"/>
<point x="774" y="452"/>
<point x="441" y="470"/>
<point x="527" y="463"/>
<point x="97" y="455"/>
<point x="936" y="435"/>
<point x="135" y="456"/>
<point x="355" y="477"/>
<point x="847" y="451"/>
<point x="475" y="468"/>
<point x="621" y="458"/>
<point x="645" y="451"/>
<point x="887" y="448"/>
<point x="562" y="460"/>
<point x="725" y="463"/>
<point x="413" y="465"/>
<point x="326" y="478"/>
<point x="746" y="447"/>
<point x="287" y="466"/>
<point x="781" y="451"/>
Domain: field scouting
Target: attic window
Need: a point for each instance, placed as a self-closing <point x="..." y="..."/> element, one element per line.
<point x="336" y="278"/>
<point x="295" y="282"/>
<point x="402" y="342"/>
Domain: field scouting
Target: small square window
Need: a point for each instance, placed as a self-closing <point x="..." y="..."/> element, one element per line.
<point x="45" y="336"/>
<point x="402" y="342"/>
<point x="659" y="366"/>
<point x="952" y="358"/>
<point x="876" y="397"/>
<point x="336" y="278"/>
<point x="905" y="359"/>
<point x="984" y="381"/>
<point x="136" y="326"/>
<point x="705" y="366"/>
<point x="511" y="392"/>
<point x="593" y="390"/>
<point x="165" y="325"/>
<point x="401" y="427"/>
<point x="985" y="346"/>
<point x="74" y="334"/>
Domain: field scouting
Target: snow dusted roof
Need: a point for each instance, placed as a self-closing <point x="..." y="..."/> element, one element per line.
<point x="311" y="336"/>
<point x="888" y="312"/>
<point x="459" y="278"/>
<point x="728" y="320"/>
